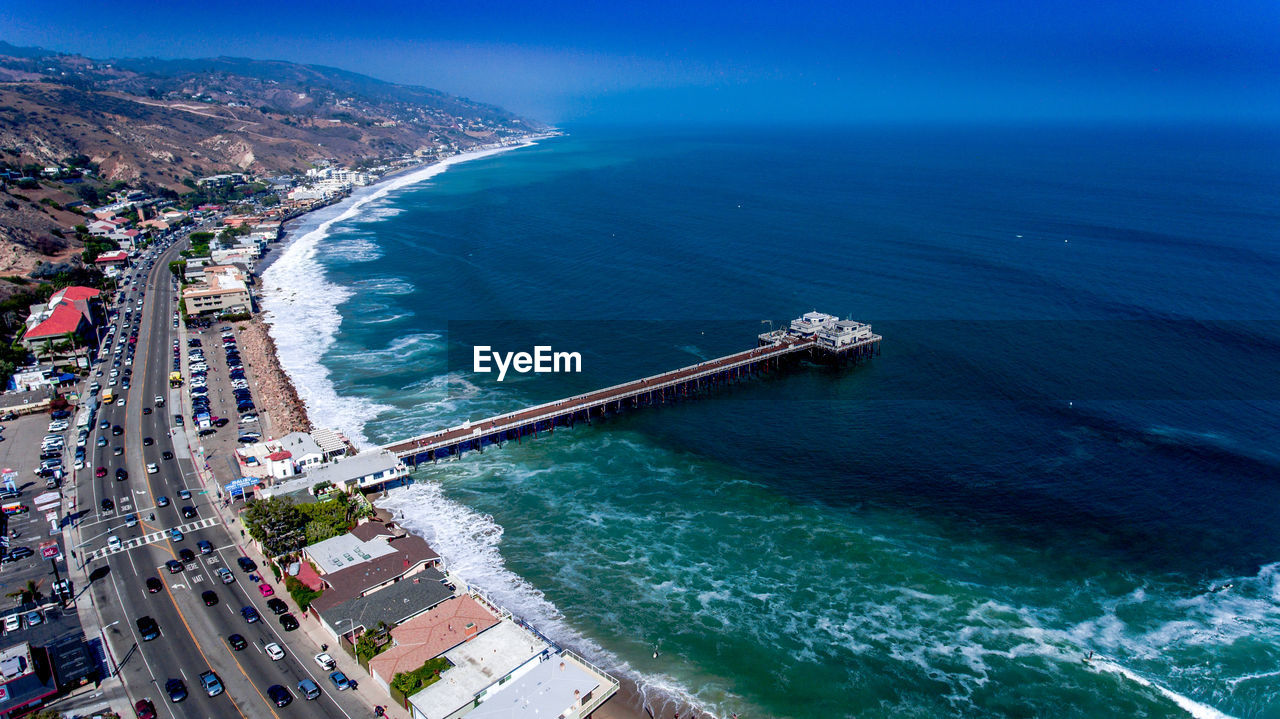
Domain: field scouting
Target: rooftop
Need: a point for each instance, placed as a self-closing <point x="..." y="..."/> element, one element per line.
<point x="431" y="634"/>
<point x="355" y="467"/>
<point x="64" y="319"/>
<point x="299" y="444"/>
<point x="347" y="550"/>
<point x="392" y="605"/>
<point x="478" y="664"/>
<point x="546" y="691"/>
<point x="411" y="551"/>
<point x="329" y="440"/>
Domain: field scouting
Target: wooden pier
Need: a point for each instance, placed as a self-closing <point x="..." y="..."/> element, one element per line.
<point x="774" y="349"/>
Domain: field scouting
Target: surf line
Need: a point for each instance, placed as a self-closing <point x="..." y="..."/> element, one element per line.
<point x="1187" y="704"/>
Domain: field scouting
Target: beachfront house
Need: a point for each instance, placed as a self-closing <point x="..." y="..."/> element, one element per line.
<point x="479" y="669"/>
<point x="565" y="686"/>
<point x="453" y="622"/>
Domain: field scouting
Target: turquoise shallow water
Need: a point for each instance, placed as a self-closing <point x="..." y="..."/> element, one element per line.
<point x="924" y="536"/>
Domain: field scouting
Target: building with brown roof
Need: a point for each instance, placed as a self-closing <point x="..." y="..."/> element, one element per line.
<point x="372" y="557"/>
<point x="429" y="635"/>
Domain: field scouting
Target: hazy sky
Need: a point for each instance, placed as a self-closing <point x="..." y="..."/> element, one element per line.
<point x="893" y="60"/>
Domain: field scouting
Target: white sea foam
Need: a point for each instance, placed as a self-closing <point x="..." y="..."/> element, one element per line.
<point x="470" y="544"/>
<point x="301" y="305"/>
<point x="1187" y="704"/>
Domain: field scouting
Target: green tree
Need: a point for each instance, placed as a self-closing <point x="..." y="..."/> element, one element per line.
<point x="179" y="270"/>
<point x="277" y="524"/>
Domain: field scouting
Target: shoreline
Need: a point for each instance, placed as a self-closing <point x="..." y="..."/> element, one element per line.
<point x="629" y="701"/>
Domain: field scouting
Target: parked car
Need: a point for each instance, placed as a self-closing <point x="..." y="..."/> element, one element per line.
<point x="326" y="662"/>
<point x="277" y="605"/>
<point x="246" y="564"/>
<point x="340" y="680"/>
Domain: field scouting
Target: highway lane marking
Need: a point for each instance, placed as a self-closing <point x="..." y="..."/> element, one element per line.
<point x="136" y="642"/>
<point x="152" y="538"/>
<point x="200" y="649"/>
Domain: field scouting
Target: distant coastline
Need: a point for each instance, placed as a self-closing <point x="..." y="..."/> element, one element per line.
<point x="628" y="703"/>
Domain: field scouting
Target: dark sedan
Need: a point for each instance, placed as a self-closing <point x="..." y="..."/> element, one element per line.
<point x="279" y="695"/>
<point x="177" y="690"/>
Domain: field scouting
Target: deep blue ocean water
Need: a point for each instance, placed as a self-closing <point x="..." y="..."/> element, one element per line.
<point x="950" y="530"/>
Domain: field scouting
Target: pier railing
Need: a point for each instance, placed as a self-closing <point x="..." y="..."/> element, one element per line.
<point x="501" y="426"/>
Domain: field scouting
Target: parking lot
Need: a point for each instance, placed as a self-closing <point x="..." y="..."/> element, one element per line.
<point x="20" y="452"/>
<point x="219" y="443"/>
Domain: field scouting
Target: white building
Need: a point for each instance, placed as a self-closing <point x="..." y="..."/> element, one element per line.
<point x="564" y="686"/>
<point x="811" y="322"/>
<point x="501" y="654"/>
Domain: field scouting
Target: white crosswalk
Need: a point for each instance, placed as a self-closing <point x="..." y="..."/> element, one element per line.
<point x="152" y="538"/>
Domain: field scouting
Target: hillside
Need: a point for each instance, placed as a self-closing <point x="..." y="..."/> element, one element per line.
<point x="160" y="121"/>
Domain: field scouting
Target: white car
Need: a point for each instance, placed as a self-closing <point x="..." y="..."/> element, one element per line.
<point x="13" y="622"/>
<point x="274" y="651"/>
<point x="249" y="419"/>
<point x="113" y="543"/>
<point x="152" y="468"/>
<point x="326" y="662"/>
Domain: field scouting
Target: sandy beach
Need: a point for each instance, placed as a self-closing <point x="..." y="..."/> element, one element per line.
<point x="287" y="412"/>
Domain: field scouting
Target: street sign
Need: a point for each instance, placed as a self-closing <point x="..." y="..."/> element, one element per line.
<point x="239" y="485"/>
<point x="49" y="550"/>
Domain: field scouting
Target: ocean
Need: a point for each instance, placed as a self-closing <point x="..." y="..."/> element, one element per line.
<point x="1055" y="492"/>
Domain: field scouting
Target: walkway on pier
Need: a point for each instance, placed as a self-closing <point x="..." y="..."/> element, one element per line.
<point x="659" y="388"/>
<point x="513" y="425"/>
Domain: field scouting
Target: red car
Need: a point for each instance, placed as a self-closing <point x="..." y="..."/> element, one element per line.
<point x="100" y="472"/>
<point x="145" y="709"/>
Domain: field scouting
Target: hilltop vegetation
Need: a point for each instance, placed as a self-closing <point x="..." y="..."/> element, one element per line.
<point x="161" y="121"/>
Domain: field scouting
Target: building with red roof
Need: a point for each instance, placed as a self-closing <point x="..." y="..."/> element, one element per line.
<point x="69" y="315"/>
<point x="116" y="259"/>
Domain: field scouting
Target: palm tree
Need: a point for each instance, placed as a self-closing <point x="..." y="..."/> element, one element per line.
<point x="75" y="346"/>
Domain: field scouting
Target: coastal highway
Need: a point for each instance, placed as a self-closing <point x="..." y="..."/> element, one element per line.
<point x="193" y="636"/>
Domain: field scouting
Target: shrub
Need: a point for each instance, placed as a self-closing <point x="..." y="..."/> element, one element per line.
<point x="301" y="593"/>
<point x="409" y="683"/>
